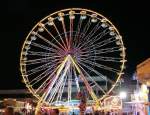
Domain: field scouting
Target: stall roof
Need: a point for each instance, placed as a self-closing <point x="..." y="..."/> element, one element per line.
<point x="143" y="72"/>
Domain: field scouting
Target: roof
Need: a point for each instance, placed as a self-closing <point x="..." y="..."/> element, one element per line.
<point x="143" y="72"/>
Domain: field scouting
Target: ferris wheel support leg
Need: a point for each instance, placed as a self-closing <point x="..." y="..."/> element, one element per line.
<point x="61" y="66"/>
<point x="90" y="90"/>
<point x="37" y="109"/>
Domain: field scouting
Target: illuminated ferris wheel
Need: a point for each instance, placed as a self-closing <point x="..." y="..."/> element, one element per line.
<point x="71" y="51"/>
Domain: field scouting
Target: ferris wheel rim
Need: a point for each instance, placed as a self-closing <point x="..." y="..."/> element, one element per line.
<point x="123" y="63"/>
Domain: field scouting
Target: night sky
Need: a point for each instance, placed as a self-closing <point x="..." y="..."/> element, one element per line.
<point x="131" y="19"/>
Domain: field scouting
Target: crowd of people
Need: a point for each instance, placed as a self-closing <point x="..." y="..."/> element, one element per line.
<point x="10" y="111"/>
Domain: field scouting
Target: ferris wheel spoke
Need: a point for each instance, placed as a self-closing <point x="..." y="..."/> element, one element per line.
<point x="64" y="29"/>
<point x="40" y="68"/>
<point x="40" y="60"/>
<point x="112" y="59"/>
<point x="96" y="38"/>
<point x="43" y="47"/>
<point x="71" y="32"/>
<point x="53" y="37"/>
<point x="96" y="72"/>
<point x="101" y="58"/>
<point x="107" y="50"/>
<point x="99" y="36"/>
<point x="83" y="33"/>
<point x="103" y="43"/>
<point x="36" y="62"/>
<point x="37" y="69"/>
<point x="41" y="76"/>
<point x="45" y="54"/>
<point x="60" y="36"/>
<point x="47" y="41"/>
<point x="77" y="38"/>
<point x="102" y="66"/>
<point x="93" y="80"/>
<point x="41" y="89"/>
<point x="92" y="32"/>
<point x="49" y="80"/>
<point x="102" y="51"/>
<point x="86" y="27"/>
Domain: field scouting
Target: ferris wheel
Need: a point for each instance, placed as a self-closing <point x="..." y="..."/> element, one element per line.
<point x="70" y="51"/>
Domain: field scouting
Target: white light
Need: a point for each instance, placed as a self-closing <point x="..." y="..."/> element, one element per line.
<point x="33" y="38"/>
<point x="40" y="29"/>
<point x="123" y="95"/>
<point x="93" y="20"/>
<point x="104" y="25"/>
<point x="83" y="17"/>
<point x="112" y="33"/>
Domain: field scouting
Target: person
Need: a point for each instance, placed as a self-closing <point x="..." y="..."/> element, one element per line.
<point x="96" y="113"/>
<point x="17" y="113"/>
<point x="55" y="111"/>
<point x="9" y="111"/>
<point x="73" y="113"/>
<point x="39" y="112"/>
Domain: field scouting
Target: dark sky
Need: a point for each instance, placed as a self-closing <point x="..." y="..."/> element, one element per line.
<point x="132" y="20"/>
